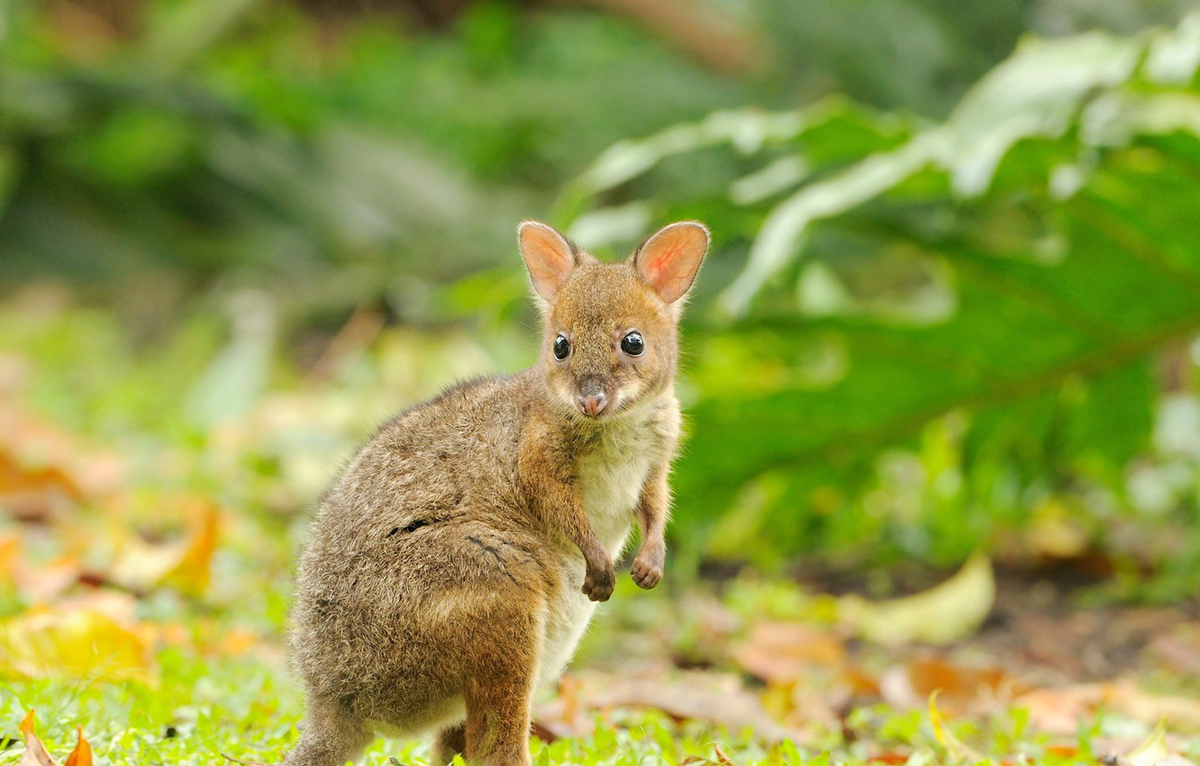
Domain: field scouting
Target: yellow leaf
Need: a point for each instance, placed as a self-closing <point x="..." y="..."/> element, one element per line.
<point x="10" y="545"/>
<point x="35" y="751"/>
<point x="1153" y="750"/>
<point x="75" y="642"/>
<point x="955" y="748"/>
<point x="1053" y="532"/>
<point x="191" y="573"/>
<point x="184" y="565"/>
<point x="82" y="754"/>
<point x="943" y="614"/>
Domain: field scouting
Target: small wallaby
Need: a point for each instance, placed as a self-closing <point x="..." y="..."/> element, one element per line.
<point x="455" y="562"/>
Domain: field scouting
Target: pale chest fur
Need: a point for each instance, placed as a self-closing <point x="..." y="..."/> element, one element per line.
<point x="611" y="473"/>
<point x="611" y="476"/>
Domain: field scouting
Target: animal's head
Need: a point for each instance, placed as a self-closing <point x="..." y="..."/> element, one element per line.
<point x="610" y="338"/>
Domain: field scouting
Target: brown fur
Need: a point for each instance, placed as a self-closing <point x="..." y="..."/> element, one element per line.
<point x="446" y="577"/>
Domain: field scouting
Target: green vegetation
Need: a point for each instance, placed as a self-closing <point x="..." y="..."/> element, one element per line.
<point x="952" y="308"/>
<point x="978" y="292"/>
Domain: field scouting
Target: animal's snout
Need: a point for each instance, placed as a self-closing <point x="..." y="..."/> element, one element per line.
<point x="592" y="400"/>
<point x="593" y="404"/>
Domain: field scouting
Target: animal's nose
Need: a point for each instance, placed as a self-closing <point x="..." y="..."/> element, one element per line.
<point x="593" y="403"/>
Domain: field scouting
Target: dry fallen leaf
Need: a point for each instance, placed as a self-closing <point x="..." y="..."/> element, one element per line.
<point x="184" y="564"/>
<point x="9" y="546"/>
<point x="82" y="754"/>
<point x="191" y="574"/>
<point x="37" y="755"/>
<point x="1152" y="750"/>
<point x="943" y="614"/>
<point x="75" y="641"/>
<point x="34" y="493"/>
<point x="780" y="652"/>
<point x="45" y="471"/>
<point x="961" y="689"/>
<point x="35" y="751"/>
<point x="1059" y="710"/>
<point x="683" y="695"/>
<point x="41" y="584"/>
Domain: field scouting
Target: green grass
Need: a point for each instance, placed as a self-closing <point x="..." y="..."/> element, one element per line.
<point x="204" y="708"/>
<point x="221" y="683"/>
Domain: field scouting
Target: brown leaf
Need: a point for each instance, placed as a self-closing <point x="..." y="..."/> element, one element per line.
<point x="684" y="695"/>
<point x="45" y="583"/>
<point x="35" y="751"/>
<point x="9" y="546"/>
<point x="34" y="493"/>
<point x="184" y="564"/>
<point x="82" y="754"/>
<point x="960" y="688"/>
<point x="1059" y="710"/>
<point x="781" y="652"/>
<point x="45" y="471"/>
<point x="191" y="574"/>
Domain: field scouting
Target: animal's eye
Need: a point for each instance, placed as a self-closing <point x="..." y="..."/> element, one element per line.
<point x="633" y="344"/>
<point x="562" y="347"/>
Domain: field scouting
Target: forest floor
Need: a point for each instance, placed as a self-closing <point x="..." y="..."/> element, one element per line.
<point x="145" y="577"/>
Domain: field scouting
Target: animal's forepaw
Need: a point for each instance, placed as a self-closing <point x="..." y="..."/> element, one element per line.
<point x="647" y="569"/>
<point x="598" y="582"/>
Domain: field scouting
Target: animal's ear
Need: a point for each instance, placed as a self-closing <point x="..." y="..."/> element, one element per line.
<point x="548" y="256"/>
<point x="670" y="258"/>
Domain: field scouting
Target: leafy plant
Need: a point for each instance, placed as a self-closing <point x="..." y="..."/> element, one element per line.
<point x="227" y="143"/>
<point x="990" y="293"/>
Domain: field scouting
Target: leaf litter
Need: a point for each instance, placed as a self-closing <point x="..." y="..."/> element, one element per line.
<point x="37" y="755"/>
<point x="92" y="594"/>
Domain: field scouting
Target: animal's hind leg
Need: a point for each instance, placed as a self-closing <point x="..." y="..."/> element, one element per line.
<point x="497" y="728"/>
<point x="500" y="690"/>
<point x="329" y="737"/>
<point x="448" y="743"/>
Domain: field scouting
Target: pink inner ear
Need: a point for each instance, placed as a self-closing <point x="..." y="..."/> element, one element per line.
<point x="654" y="269"/>
<point x="547" y="256"/>
<point x="659" y="274"/>
<point x="669" y="259"/>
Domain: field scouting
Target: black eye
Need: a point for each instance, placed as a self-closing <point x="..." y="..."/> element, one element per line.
<point x="562" y="347"/>
<point x="633" y="344"/>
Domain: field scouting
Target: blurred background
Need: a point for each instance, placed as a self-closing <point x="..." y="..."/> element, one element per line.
<point x="952" y="306"/>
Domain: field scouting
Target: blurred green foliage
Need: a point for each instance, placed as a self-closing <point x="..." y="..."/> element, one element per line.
<point x="228" y="142"/>
<point x="990" y="294"/>
<point x="934" y="318"/>
<point x="148" y="149"/>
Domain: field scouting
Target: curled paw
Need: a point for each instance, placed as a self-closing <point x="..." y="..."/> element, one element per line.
<point x="599" y="581"/>
<point x="647" y="569"/>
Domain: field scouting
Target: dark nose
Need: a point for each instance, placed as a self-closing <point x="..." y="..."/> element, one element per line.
<point x="592" y="404"/>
